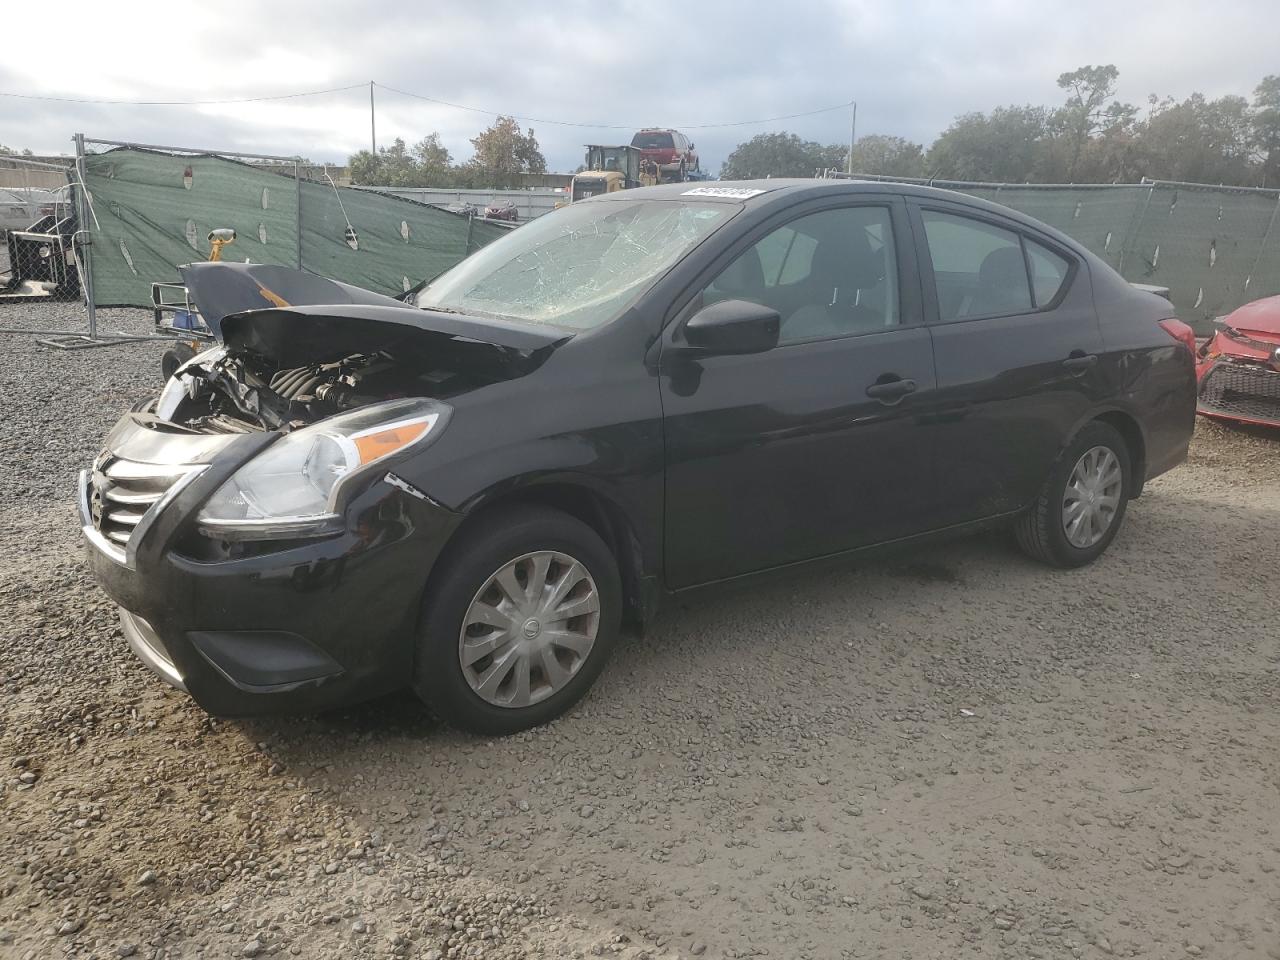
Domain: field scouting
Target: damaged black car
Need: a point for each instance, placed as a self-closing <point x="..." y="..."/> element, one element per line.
<point x="474" y="491"/>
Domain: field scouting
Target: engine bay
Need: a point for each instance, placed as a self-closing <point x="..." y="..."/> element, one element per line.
<point x="244" y="394"/>
<point x="297" y="348"/>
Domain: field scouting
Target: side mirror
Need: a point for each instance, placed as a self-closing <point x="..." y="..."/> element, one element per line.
<point x="732" y="327"/>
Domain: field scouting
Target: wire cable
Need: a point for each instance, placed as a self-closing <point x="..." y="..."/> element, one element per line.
<point x="180" y="103"/>
<point x="416" y="96"/>
<point x="607" y="126"/>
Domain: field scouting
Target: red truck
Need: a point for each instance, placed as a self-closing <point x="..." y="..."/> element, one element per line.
<point x="671" y="150"/>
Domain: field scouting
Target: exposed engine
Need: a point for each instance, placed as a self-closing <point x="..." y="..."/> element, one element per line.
<point x="243" y="394"/>
<point x="351" y="382"/>
<point x="297" y="348"/>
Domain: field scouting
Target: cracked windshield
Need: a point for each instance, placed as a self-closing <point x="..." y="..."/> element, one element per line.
<point x="579" y="268"/>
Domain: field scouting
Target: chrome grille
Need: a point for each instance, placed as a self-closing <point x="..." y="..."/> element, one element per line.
<point x="123" y="492"/>
<point x="1243" y="390"/>
<point x="119" y="498"/>
<point x="146" y="463"/>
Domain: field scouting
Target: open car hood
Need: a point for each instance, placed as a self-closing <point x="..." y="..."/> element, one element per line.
<point x="221" y="289"/>
<point x="296" y="336"/>
<point x="296" y="318"/>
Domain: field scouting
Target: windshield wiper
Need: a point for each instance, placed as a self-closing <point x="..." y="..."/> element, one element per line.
<point x="449" y="310"/>
<point x="482" y="314"/>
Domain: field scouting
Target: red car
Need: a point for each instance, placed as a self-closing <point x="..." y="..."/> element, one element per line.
<point x="1239" y="368"/>
<point x="669" y="149"/>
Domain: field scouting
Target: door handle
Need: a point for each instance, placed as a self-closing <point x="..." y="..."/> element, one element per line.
<point x="892" y="391"/>
<point x="1079" y="362"/>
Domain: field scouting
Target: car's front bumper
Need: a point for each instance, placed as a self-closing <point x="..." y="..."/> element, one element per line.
<point x="149" y="648"/>
<point x="1246" y="392"/>
<point x="299" y="627"/>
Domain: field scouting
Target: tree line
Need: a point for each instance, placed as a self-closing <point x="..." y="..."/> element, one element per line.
<point x="1092" y="137"/>
<point x="502" y="153"/>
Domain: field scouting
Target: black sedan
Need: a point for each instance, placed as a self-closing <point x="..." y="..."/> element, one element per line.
<point x="474" y="493"/>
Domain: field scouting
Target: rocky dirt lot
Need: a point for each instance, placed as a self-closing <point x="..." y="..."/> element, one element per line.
<point x="955" y="754"/>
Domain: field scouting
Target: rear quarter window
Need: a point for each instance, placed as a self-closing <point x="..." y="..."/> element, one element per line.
<point x="1048" y="272"/>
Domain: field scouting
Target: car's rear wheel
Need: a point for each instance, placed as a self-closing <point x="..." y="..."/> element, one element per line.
<point x="520" y="621"/>
<point x="1082" y="503"/>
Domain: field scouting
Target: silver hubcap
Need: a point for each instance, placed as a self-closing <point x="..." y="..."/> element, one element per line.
<point x="529" y="629"/>
<point x="1092" y="497"/>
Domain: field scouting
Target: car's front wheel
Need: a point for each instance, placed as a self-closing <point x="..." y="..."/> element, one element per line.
<point x="519" y="622"/>
<point x="1082" y="503"/>
<point x="175" y="357"/>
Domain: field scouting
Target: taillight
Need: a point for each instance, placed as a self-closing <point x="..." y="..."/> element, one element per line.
<point x="1180" y="332"/>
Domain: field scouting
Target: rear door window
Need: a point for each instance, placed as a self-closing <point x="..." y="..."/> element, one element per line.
<point x="978" y="268"/>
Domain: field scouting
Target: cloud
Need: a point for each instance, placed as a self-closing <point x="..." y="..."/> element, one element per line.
<point x="912" y="67"/>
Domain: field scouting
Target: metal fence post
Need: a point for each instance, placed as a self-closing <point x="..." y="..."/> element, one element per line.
<point x="1262" y="245"/>
<point x="297" y="187"/>
<point x="84" y="258"/>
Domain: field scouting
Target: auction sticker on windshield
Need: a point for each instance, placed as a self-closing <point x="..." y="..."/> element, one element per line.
<point x="735" y="193"/>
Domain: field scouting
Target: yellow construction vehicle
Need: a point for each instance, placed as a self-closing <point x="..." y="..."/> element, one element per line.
<point x="186" y="324"/>
<point x="218" y="239"/>
<point x="613" y="168"/>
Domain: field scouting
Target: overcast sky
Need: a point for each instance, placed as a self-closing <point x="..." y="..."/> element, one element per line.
<point x="912" y="66"/>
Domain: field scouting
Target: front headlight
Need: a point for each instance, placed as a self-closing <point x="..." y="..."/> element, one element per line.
<point x="291" y="488"/>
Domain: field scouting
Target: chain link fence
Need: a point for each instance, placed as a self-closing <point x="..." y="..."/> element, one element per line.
<point x="127" y="215"/>
<point x="156" y="207"/>
<point x="1213" y="247"/>
<point x="529" y="203"/>
<point x="37" y="229"/>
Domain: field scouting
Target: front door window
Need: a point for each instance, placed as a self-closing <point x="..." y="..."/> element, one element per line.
<point x="829" y="274"/>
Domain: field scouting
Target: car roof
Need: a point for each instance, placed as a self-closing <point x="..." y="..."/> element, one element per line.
<point x="750" y="192"/>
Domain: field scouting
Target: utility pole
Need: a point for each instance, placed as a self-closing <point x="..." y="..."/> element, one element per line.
<point x="373" y="130"/>
<point x="853" y="133"/>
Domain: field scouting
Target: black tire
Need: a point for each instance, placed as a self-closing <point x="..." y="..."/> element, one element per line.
<point x="1040" y="531"/>
<point x="175" y="357"/>
<point x="465" y="566"/>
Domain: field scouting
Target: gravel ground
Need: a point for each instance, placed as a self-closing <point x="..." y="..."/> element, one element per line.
<point x="959" y="753"/>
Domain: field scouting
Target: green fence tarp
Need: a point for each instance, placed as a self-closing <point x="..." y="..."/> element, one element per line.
<point x="1203" y="244"/>
<point x="1215" y="248"/>
<point x="1099" y="217"/>
<point x="153" y="212"/>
